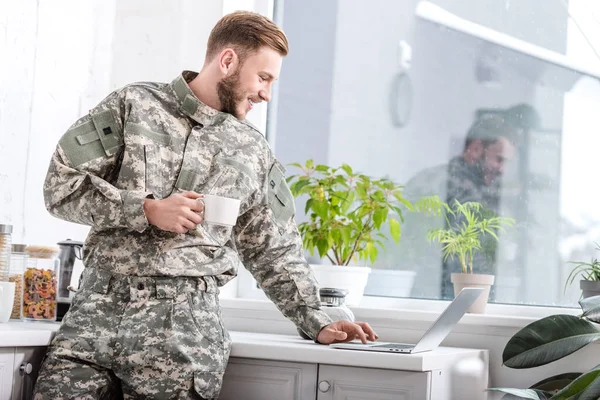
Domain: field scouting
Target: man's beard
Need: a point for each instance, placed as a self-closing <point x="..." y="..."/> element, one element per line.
<point x="230" y="95"/>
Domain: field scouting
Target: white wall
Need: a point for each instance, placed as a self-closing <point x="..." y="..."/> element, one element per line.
<point x="67" y="55"/>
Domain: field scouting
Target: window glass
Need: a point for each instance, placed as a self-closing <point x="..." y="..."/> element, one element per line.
<point x="489" y="101"/>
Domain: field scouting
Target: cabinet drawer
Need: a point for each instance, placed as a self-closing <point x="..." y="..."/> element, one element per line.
<point x="345" y="383"/>
<point x="268" y="380"/>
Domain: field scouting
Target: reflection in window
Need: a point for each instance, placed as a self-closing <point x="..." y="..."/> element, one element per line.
<point x="497" y="103"/>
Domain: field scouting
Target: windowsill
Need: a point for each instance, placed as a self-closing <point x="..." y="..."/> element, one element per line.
<point x="393" y="313"/>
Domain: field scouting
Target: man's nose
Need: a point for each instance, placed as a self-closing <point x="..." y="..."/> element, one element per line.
<point x="265" y="95"/>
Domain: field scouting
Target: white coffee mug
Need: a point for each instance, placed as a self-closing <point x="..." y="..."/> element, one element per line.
<point x="7" y="298"/>
<point x="220" y="210"/>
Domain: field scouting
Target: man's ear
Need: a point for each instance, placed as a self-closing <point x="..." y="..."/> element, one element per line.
<point x="228" y="60"/>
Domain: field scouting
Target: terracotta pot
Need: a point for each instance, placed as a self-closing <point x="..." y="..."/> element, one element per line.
<point x="484" y="281"/>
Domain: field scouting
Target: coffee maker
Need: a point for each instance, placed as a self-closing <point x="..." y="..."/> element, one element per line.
<point x="69" y="272"/>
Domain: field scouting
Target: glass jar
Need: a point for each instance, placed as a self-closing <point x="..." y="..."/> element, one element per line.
<point x="18" y="263"/>
<point x="5" y="249"/>
<point x="40" y="284"/>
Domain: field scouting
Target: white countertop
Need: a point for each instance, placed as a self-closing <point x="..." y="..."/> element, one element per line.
<point x="274" y="347"/>
<point x="27" y="334"/>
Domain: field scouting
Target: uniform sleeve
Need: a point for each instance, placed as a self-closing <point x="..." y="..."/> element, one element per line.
<point x="270" y="247"/>
<point x="78" y="184"/>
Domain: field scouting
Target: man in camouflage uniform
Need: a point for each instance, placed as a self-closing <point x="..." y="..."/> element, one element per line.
<point x="145" y="322"/>
<point x="474" y="175"/>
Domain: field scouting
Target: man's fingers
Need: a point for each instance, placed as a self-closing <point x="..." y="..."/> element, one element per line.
<point x="360" y="333"/>
<point x="192" y="195"/>
<point x="197" y="206"/>
<point x="340" y="335"/>
<point x="368" y="330"/>
<point x="194" y="217"/>
<point x="186" y="223"/>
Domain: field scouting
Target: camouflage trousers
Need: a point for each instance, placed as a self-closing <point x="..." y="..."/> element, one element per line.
<point x="138" y="338"/>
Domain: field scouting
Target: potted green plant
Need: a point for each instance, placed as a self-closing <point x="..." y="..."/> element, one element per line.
<point x="346" y="213"/>
<point x="550" y="339"/>
<point x="590" y="273"/>
<point x="462" y="239"/>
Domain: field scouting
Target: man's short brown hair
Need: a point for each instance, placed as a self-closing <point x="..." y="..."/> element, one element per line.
<point x="245" y="32"/>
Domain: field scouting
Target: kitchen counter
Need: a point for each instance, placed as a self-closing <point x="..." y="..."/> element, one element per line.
<point x="273" y="347"/>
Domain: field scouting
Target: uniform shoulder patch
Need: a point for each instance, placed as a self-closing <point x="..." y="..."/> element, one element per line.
<point x="279" y="197"/>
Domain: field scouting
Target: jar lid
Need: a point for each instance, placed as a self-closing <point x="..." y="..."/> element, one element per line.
<point x="41" y="251"/>
<point x="70" y="242"/>
<point x="19" y="248"/>
<point x="6" y="229"/>
<point x="332" y="297"/>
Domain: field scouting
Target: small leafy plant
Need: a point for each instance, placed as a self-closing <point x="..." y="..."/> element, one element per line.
<point x="462" y="238"/>
<point x="588" y="271"/>
<point x="346" y="211"/>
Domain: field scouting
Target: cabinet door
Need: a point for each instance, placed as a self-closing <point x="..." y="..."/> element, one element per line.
<point x="7" y="356"/>
<point x="27" y="363"/>
<point x="346" y="383"/>
<point x="268" y="380"/>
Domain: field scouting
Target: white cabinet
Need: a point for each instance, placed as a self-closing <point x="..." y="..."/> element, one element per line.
<point x="347" y="383"/>
<point x="274" y="380"/>
<point x="27" y="363"/>
<point x="262" y="380"/>
<point x="7" y="359"/>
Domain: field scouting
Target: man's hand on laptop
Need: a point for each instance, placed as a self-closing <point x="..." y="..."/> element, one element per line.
<point x="346" y="331"/>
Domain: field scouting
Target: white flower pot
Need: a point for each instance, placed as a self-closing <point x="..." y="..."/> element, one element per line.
<point x="353" y="279"/>
<point x="589" y="288"/>
<point x="395" y="283"/>
<point x="484" y="281"/>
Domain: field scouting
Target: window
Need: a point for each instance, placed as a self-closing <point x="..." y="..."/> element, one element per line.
<point x="392" y="88"/>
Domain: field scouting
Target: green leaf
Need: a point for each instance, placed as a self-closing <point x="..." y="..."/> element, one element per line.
<point x="308" y="205"/>
<point x="585" y="387"/>
<point x="548" y="340"/>
<point x="347" y="169"/>
<point x="557" y="382"/>
<point x="323" y="247"/>
<point x="320" y="208"/>
<point x="298" y="186"/>
<point x="531" y="394"/>
<point x="591" y="308"/>
<point x="322" y="168"/>
<point x="310" y="164"/>
<point x="379" y="216"/>
<point x="395" y="229"/>
<point x="361" y="191"/>
<point x="348" y="200"/>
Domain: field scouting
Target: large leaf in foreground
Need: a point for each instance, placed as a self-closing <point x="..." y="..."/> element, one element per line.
<point x="586" y="387"/>
<point x="548" y="340"/>
<point x="530" y="394"/>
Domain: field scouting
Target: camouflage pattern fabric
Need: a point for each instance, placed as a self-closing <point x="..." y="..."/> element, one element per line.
<point x="150" y="140"/>
<point x="141" y="337"/>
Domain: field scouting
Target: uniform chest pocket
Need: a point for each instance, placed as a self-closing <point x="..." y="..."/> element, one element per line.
<point x="233" y="179"/>
<point x="161" y="161"/>
<point x="161" y="170"/>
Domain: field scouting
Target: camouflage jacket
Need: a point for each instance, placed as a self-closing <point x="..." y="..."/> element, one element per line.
<point x="149" y="140"/>
<point x="465" y="183"/>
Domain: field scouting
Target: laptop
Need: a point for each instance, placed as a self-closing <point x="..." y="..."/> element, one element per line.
<point x="434" y="335"/>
